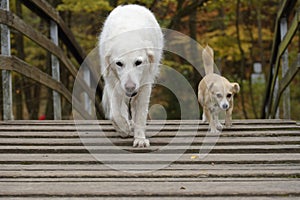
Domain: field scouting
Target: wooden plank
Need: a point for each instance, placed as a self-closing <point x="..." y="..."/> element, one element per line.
<point x="112" y="133"/>
<point x="268" y="197"/>
<point x="88" y="103"/>
<point x="171" y="167"/>
<point x="52" y="162"/>
<point x="148" y="158"/>
<point x="150" y="176"/>
<point x="286" y="107"/>
<point x="43" y="9"/>
<point x="286" y="80"/>
<point x="281" y="48"/>
<point x="135" y="178"/>
<point x="290" y="74"/>
<point x="165" y="127"/>
<point x="150" y="127"/>
<point x="202" y="127"/>
<point x="15" y="22"/>
<point x="141" y="189"/>
<point x="55" y="66"/>
<point x="68" y="148"/>
<point x="285" y="7"/>
<point x="92" y="141"/>
<point x="6" y="74"/>
<point x="4" y="149"/>
<point x="15" y="64"/>
<point x="66" y="33"/>
<point x="151" y="122"/>
<point x="168" y="122"/>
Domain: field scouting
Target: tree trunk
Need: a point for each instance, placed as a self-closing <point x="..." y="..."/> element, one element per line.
<point x="252" y="101"/>
<point x="49" y="105"/>
<point x="18" y="80"/>
<point x="194" y="50"/>
<point x="242" y="71"/>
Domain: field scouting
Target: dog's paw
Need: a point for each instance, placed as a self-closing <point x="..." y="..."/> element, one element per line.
<point x="123" y="134"/>
<point x="228" y="124"/>
<point x="219" y="126"/>
<point x="141" y="142"/>
<point x="122" y="127"/>
<point x="214" y="131"/>
<point x="204" y="118"/>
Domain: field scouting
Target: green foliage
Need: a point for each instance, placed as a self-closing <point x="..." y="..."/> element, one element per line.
<point x="169" y="100"/>
<point x="215" y="24"/>
<point x="79" y="6"/>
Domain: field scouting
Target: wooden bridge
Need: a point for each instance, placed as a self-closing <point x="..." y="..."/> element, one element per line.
<point x="257" y="159"/>
<point x="53" y="159"/>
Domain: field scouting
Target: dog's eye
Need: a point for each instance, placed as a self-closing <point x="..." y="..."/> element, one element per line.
<point x="138" y="62"/>
<point x="120" y="64"/>
<point x="229" y="96"/>
<point x="219" y="95"/>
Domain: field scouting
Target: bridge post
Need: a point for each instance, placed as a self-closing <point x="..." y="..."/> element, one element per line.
<point x="273" y="99"/>
<point x="6" y="74"/>
<point x="285" y="68"/>
<point x="87" y="79"/>
<point x="55" y="72"/>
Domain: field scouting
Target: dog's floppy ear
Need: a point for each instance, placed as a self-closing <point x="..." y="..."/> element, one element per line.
<point x="106" y="68"/>
<point x="107" y="60"/>
<point x="208" y="59"/>
<point x="211" y="86"/>
<point x="150" y="55"/>
<point x="153" y="70"/>
<point x="235" y="87"/>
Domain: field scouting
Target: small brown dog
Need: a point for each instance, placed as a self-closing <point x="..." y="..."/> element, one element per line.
<point x="215" y="93"/>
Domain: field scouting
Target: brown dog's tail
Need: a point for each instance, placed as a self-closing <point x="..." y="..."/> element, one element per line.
<point x="208" y="60"/>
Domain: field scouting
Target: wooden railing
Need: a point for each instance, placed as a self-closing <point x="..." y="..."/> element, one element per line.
<point x="58" y="30"/>
<point x="280" y="87"/>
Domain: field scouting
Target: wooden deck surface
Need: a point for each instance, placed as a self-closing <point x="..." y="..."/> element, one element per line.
<point x="255" y="159"/>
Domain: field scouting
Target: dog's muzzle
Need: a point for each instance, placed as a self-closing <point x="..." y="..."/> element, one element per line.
<point x="131" y="94"/>
<point x="224" y="106"/>
<point x="130" y="89"/>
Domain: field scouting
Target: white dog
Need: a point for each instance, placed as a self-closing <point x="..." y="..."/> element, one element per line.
<point x="130" y="48"/>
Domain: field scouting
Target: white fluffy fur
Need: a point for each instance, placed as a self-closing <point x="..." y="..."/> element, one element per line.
<point x="130" y="48"/>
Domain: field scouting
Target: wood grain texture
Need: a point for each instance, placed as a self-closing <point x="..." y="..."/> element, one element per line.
<point x="254" y="159"/>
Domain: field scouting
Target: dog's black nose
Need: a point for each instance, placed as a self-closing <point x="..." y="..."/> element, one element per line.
<point x="130" y="89"/>
<point x="225" y="106"/>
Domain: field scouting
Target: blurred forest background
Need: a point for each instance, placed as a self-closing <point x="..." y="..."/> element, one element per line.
<point x="240" y="32"/>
